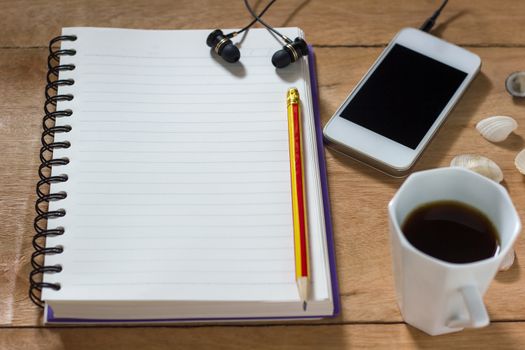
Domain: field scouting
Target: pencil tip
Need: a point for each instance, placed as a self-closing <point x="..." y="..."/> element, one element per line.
<point x="304" y="305"/>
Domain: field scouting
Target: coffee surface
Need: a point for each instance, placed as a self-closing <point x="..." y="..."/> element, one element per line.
<point x="451" y="231"/>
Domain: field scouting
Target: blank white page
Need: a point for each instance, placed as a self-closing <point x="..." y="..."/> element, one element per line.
<point x="179" y="174"/>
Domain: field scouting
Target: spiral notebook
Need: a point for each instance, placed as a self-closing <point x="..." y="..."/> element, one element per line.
<point x="165" y="182"/>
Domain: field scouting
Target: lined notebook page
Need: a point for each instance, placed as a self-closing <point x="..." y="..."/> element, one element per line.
<point x="179" y="180"/>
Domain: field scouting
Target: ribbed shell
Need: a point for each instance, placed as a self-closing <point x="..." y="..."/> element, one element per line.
<point x="519" y="161"/>
<point x="497" y="128"/>
<point x="507" y="261"/>
<point x="479" y="164"/>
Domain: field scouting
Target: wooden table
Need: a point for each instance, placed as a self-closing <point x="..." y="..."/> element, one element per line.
<point x="347" y="36"/>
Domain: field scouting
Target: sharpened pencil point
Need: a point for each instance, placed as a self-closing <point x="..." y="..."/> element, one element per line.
<point x="304" y="305"/>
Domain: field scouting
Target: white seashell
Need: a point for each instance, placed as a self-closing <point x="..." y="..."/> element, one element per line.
<point x="497" y="128"/>
<point x="507" y="261"/>
<point x="519" y="161"/>
<point x="479" y="164"/>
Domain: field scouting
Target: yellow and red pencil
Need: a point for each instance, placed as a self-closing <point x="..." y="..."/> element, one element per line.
<point x="302" y="269"/>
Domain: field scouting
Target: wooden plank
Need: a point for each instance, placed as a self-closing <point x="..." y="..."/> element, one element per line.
<point x="23" y="72"/>
<point x="358" y="22"/>
<point x="359" y="195"/>
<point x="496" y="336"/>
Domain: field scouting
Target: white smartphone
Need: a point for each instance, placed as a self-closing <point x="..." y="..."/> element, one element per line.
<point x="400" y="103"/>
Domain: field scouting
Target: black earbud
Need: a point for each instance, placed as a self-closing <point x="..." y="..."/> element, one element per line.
<point x="290" y="52"/>
<point x="223" y="46"/>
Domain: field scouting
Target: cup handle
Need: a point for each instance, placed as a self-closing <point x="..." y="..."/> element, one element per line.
<point x="476" y="309"/>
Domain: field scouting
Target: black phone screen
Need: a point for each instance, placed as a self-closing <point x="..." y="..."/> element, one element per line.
<point x="404" y="96"/>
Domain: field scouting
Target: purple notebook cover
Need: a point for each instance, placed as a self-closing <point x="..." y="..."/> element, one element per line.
<point x="329" y="234"/>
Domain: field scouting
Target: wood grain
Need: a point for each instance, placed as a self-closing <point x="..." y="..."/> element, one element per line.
<point x="348" y="36"/>
<point x="502" y="336"/>
<point x="31" y="23"/>
<point x="359" y="195"/>
<point x="23" y="73"/>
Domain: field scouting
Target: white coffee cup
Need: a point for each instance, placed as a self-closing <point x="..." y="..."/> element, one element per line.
<point x="434" y="295"/>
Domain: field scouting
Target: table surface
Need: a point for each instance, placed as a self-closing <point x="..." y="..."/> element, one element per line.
<point x="347" y="37"/>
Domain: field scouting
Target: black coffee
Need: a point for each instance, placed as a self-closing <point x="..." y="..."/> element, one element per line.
<point x="451" y="231"/>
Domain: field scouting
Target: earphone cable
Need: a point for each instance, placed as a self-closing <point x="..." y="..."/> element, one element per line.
<point x="429" y="22"/>
<point x="270" y="28"/>
<point x="252" y="22"/>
